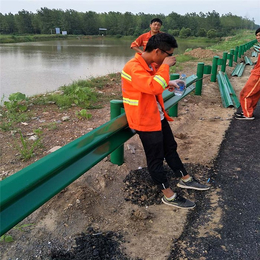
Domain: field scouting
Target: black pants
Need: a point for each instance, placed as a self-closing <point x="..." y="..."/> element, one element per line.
<point x="157" y="146"/>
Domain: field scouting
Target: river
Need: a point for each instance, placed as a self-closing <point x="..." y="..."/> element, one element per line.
<point x="40" y="67"/>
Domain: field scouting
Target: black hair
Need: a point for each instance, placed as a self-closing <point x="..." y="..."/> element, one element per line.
<point x="156" y="20"/>
<point x="257" y="31"/>
<point x="162" y="41"/>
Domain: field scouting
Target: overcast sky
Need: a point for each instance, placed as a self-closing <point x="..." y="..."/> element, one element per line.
<point x="245" y="8"/>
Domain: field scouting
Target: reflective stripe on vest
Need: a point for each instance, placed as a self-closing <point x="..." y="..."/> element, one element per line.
<point x="126" y="76"/>
<point x="161" y="81"/>
<point x="130" y="102"/>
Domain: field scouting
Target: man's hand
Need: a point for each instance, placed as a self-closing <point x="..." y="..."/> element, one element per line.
<point x="171" y="60"/>
<point x="174" y="84"/>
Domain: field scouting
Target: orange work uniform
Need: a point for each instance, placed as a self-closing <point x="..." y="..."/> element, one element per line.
<point x="142" y="87"/>
<point x="142" y="40"/>
<point x="250" y="94"/>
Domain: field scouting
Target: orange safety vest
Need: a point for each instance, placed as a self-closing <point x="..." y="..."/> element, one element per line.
<point x="142" y="40"/>
<point x="256" y="69"/>
<point x="142" y="87"/>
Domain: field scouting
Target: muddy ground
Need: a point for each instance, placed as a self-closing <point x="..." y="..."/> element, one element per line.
<point x="115" y="212"/>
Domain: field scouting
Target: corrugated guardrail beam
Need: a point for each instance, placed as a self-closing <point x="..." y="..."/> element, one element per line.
<point x="239" y="69"/>
<point x="228" y="95"/>
<point x="248" y="61"/>
<point x="28" y="189"/>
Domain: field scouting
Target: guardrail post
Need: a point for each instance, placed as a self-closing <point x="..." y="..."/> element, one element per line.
<point x="200" y="71"/>
<point x="173" y="111"/>
<point x="223" y="67"/>
<point x="236" y="54"/>
<point x="214" y="69"/>
<point x="231" y="55"/>
<point x="117" y="156"/>
<point x="240" y="51"/>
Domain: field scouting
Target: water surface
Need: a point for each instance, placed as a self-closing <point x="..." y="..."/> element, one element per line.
<point x="40" y="67"/>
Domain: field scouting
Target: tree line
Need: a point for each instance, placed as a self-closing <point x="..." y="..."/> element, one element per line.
<point x="45" y="20"/>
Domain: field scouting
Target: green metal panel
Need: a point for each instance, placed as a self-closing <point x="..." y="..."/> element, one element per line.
<point x="207" y="69"/>
<point x="248" y="61"/>
<point x="239" y="69"/>
<point x="228" y="95"/>
<point x="226" y="99"/>
<point x="200" y="71"/>
<point x="214" y="69"/>
<point x="116" y="109"/>
<point x="40" y="181"/>
<point x="232" y="92"/>
<point x="254" y="54"/>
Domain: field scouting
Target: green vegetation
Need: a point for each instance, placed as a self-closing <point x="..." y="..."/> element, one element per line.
<point x="229" y="43"/>
<point x="8" y="238"/>
<point x="85" y="94"/>
<point x="28" y="147"/>
<point x="45" y="20"/>
<point x="83" y="114"/>
<point x="14" y="110"/>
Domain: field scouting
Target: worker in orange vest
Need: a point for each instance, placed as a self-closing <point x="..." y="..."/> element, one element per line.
<point x="139" y="44"/>
<point x="142" y="88"/>
<point x="250" y="94"/>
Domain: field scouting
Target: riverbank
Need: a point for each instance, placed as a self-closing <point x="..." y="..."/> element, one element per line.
<point x="42" y="37"/>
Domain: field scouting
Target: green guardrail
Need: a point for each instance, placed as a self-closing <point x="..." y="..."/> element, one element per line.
<point x="228" y="95"/>
<point x="28" y="189"/>
<point x="239" y="69"/>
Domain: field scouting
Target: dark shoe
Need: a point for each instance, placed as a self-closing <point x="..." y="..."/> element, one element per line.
<point x="239" y="113"/>
<point x="179" y="202"/>
<point x="192" y="184"/>
<point x="242" y="117"/>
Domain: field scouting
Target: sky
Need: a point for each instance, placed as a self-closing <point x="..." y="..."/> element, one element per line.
<point x="247" y="9"/>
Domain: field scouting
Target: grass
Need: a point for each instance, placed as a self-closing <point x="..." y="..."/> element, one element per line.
<point x="85" y="94"/>
<point x="28" y="147"/>
<point x="229" y="43"/>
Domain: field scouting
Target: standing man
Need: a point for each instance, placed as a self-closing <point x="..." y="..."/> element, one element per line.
<point x="142" y="88"/>
<point x="139" y="44"/>
<point x="250" y="94"/>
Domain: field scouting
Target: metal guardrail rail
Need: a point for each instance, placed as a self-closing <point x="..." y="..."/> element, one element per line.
<point x="248" y="61"/>
<point x="228" y="95"/>
<point x="254" y="54"/>
<point x="239" y="69"/>
<point x="28" y="189"/>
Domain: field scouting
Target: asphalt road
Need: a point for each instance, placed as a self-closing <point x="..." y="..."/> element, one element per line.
<point x="237" y="175"/>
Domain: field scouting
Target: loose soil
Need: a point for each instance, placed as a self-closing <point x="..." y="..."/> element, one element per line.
<point x="115" y="212"/>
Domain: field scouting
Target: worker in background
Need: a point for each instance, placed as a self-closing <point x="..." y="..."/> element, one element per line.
<point x="139" y="44"/>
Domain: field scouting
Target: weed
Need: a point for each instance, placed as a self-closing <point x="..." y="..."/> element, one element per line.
<point x="38" y="131"/>
<point x="8" y="238"/>
<point x="14" y="110"/>
<point x="83" y="114"/>
<point x="79" y="93"/>
<point x="51" y="126"/>
<point x="28" y="147"/>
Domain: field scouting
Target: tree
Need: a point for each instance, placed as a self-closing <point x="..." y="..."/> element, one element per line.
<point x="185" y="32"/>
<point x="90" y="23"/>
<point x="202" y="32"/>
<point x="23" y="22"/>
<point x="7" y="24"/>
<point x="212" y="33"/>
